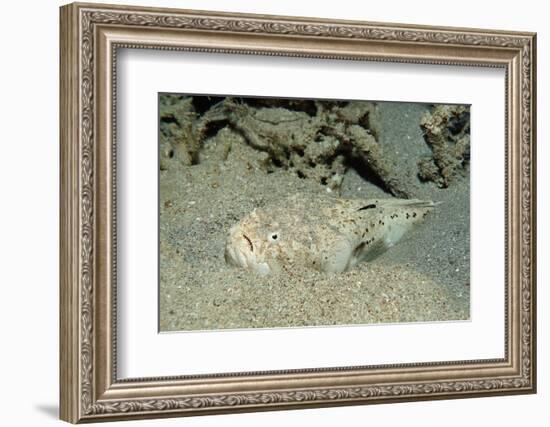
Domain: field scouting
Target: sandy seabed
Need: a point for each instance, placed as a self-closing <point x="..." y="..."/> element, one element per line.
<point x="426" y="277"/>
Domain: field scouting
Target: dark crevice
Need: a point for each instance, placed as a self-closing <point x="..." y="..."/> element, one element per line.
<point x="276" y="162"/>
<point x="169" y="118"/>
<point x="203" y="103"/>
<point x="302" y="105"/>
<point x="365" y="172"/>
<point x="214" y="127"/>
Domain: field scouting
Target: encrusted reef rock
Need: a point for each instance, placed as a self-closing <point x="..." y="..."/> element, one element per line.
<point x="320" y="144"/>
<point x="177" y="140"/>
<point x="182" y="130"/>
<point x="318" y="140"/>
<point x="291" y="140"/>
<point x="447" y="131"/>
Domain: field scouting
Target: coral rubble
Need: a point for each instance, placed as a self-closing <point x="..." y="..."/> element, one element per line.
<point x="318" y="140"/>
<point x="447" y="131"/>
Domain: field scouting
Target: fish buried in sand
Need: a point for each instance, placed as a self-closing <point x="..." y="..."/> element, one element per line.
<point x="327" y="234"/>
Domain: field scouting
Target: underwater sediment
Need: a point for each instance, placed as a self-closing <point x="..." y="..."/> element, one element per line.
<point x="221" y="158"/>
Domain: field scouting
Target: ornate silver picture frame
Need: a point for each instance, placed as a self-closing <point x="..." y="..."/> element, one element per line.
<point x="91" y="36"/>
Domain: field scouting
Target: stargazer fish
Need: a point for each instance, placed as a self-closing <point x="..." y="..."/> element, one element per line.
<point x="323" y="233"/>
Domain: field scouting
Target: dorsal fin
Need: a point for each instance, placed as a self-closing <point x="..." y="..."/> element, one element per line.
<point x="371" y="206"/>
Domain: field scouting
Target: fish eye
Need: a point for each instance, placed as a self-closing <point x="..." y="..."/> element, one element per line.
<point x="274" y="237"/>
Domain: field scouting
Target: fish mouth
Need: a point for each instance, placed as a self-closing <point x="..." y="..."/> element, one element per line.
<point x="239" y="252"/>
<point x="249" y="242"/>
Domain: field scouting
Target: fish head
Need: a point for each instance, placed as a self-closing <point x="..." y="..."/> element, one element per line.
<point x="255" y="243"/>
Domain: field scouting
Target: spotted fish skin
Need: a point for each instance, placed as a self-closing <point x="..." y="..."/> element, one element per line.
<point x="323" y="233"/>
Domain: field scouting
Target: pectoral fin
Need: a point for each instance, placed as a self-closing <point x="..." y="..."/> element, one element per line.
<point x="374" y="249"/>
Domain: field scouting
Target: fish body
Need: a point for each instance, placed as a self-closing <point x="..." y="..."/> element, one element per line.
<point x="327" y="234"/>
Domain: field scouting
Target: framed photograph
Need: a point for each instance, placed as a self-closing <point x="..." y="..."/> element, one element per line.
<point x="266" y="212"/>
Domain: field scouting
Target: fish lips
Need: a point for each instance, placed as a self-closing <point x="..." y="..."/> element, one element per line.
<point x="239" y="253"/>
